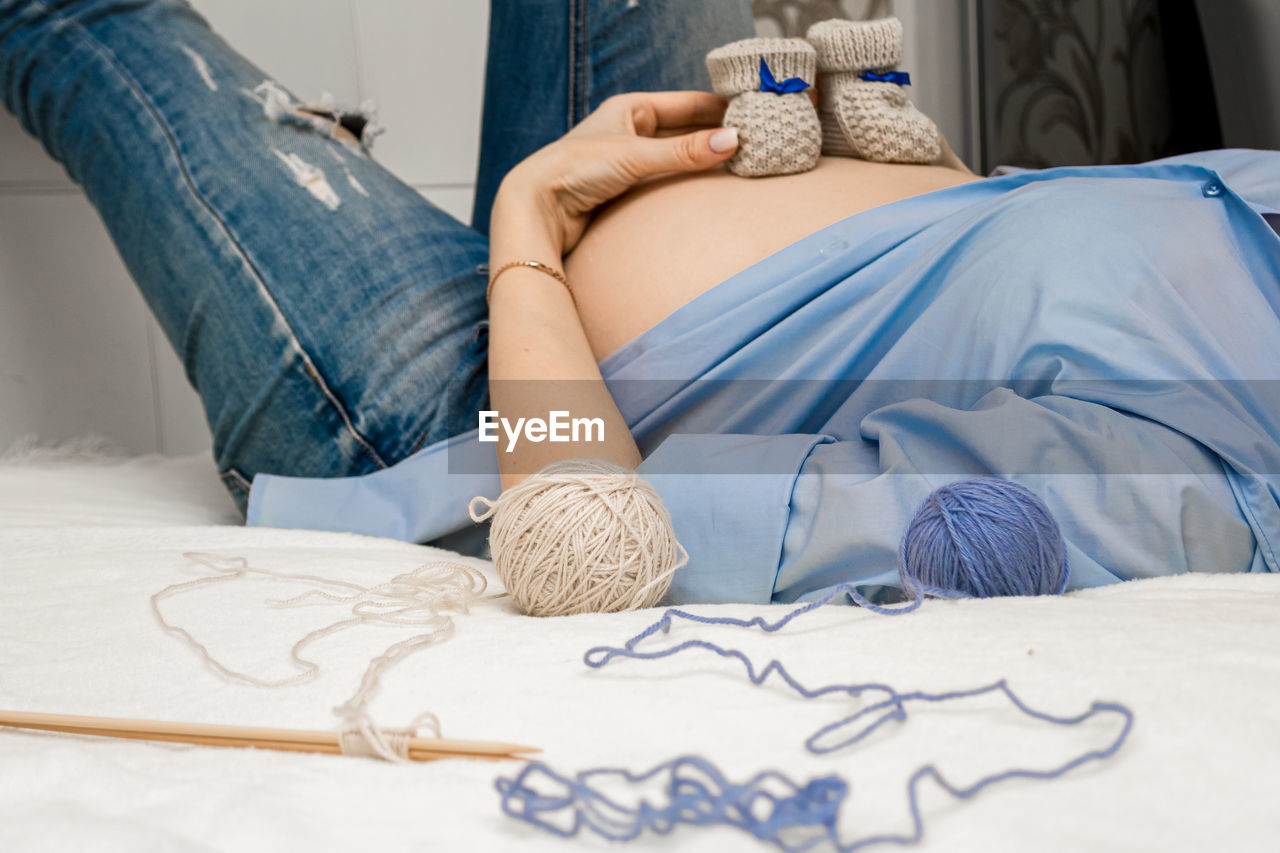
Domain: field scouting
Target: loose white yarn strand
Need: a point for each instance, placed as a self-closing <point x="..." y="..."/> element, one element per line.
<point x="580" y="536"/>
<point x="421" y="597"/>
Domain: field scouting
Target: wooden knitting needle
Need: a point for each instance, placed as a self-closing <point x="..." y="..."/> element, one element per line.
<point x="289" y="740"/>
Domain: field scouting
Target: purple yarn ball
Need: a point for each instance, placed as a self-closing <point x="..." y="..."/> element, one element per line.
<point x="984" y="538"/>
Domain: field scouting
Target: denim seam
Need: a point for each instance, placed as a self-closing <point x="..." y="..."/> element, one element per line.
<point x="572" y="24"/>
<point x="481" y="329"/>
<point x="584" y="61"/>
<point x="311" y="370"/>
<point x="577" y="95"/>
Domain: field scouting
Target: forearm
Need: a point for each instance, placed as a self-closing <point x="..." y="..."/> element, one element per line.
<point x="539" y="358"/>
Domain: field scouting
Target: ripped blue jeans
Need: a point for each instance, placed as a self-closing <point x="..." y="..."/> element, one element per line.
<point x="331" y="319"/>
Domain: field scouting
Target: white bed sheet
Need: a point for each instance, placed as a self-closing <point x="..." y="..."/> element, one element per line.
<point x="84" y="545"/>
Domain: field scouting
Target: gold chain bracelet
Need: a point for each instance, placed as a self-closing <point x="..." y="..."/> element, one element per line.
<point x="536" y="265"/>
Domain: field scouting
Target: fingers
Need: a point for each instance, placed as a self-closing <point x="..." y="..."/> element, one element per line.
<point x="651" y="112"/>
<point x="687" y="109"/>
<point x="681" y="131"/>
<point x="692" y="152"/>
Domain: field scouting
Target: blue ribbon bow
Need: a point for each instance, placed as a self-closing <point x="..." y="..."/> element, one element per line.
<point x="902" y="78"/>
<point x="786" y="87"/>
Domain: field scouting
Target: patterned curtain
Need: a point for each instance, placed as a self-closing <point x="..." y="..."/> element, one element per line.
<point x="788" y="18"/>
<point x="1075" y="82"/>
<point x="1066" y="82"/>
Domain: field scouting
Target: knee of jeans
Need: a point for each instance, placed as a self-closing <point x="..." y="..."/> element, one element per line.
<point x="352" y="129"/>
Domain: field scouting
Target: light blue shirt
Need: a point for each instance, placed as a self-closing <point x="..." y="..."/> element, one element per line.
<point x="1108" y="336"/>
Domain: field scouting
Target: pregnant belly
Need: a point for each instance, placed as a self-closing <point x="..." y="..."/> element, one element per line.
<point x="667" y="242"/>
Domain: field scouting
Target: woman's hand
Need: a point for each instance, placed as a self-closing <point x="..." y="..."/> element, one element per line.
<point x="627" y="139"/>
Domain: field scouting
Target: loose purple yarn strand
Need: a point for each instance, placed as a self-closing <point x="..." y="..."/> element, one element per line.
<point x="814" y="806"/>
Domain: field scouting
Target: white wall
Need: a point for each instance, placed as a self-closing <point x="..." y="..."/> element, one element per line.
<point x="940" y="50"/>
<point x="79" y="352"/>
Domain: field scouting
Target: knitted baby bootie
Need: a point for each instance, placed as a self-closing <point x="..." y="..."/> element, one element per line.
<point x="767" y="81"/>
<point x="863" y="109"/>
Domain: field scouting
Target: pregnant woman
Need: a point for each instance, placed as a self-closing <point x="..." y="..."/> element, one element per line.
<point x="793" y="361"/>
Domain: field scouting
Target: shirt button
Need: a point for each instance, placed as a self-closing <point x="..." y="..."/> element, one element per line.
<point x="1213" y="189"/>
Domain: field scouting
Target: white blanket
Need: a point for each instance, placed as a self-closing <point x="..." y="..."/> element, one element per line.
<point x="83" y="547"/>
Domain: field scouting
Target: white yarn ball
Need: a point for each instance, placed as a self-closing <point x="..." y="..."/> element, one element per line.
<point x="582" y="536"/>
